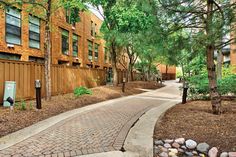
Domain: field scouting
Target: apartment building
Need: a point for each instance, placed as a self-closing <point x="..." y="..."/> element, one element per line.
<point x="79" y="44"/>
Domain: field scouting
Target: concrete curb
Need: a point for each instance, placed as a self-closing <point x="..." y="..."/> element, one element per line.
<point x="140" y="137"/>
<point x="139" y="142"/>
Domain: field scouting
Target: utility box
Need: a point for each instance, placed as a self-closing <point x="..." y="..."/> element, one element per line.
<point x="9" y="91"/>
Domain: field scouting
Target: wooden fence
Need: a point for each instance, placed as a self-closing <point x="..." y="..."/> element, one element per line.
<point x="64" y="79"/>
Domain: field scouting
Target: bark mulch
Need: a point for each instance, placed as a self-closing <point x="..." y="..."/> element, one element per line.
<point x="11" y="121"/>
<point x="195" y="120"/>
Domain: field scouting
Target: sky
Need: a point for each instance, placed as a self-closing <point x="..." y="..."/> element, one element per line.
<point x="95" y="11"/>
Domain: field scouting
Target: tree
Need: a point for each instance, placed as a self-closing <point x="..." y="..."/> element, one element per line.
<point x="119" y="17"/>
<point x="45" y="9"/>
<point x="207" y="18"/>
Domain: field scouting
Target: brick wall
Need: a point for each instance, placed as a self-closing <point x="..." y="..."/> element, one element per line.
<point x="82" y="29"/>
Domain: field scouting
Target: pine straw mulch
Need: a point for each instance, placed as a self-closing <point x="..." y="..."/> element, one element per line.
<point x="195" y="120"/>
<point x="18" y="119"/>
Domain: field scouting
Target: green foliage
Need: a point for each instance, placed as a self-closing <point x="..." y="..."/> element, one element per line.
<point x="78" y="91"/>
<point x="23" y="105"/>
<point x="199" y="86"/>
<point x="30" y="105"/>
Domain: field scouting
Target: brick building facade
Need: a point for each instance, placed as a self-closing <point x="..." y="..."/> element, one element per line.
<point x="22" y="38"/>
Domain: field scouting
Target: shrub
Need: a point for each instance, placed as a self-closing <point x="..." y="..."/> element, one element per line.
<point x="198" y="86"/>
<point x="23" y="105"/>
<point x="78" y="91"/>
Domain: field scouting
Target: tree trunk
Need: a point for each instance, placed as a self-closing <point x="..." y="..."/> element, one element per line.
<point x="47" y="51"/>
<point x="114" y="66"/>
<point x="219" y="64"/>
<point x="215" y="96"/>
<point x="166" y="72"/>
<point x="131" y="74"/>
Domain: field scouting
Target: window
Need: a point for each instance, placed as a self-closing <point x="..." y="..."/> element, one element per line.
<point x="95" y="27"/>
<point x="13" y="26"/>
<point x="90" y="51"/>
<point x="65" y="42"/>
<point x="92" y="29"/>
<point x="75" y="45"/>
<point x="9" y="56"/>
<point x="34" y="32"/>
<point x="96" y="52"/>
<point x="105" y="55"/>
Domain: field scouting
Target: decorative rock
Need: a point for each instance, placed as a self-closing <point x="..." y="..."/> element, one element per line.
<point x="159" y="142"/>
<point x="195" y="152"/>
<point x="168" y="141"/>
<point x="163" y="154"/>
<point x="183" y="147"/>
<point x="213" y="152"/>
<point x="173" y="150"/>
<point x="189" y="153"/>
<point x="180" y="140"/>
<point x="224" y="154"/>
<point x="175" y="145"/>
<point x="180" y="150"/>
<point x="203" y="147"/>
<point x="202" y="155"/>
<point x="157" y="150"/>
<point x="163" y="149"/>
<point x="172" y="154"/>
<point x="167" y="145"/>
<point x="232" y="154"/>
<point x="191" y="144"/>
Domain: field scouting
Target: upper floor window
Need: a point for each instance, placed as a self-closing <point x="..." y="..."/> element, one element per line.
<point x="65" y="42"/>
<point x="105" y="55"/>
<point x="34" y="32"/>
<point x="13" y="26"/>
<point x="96" y="52"/>
<point x="75" y="45"/>
<point x="92" y="28"/>
<point x="90" y="50"/>
<point x="95" y="28"/>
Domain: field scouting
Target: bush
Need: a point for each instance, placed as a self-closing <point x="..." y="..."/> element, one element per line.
<point x="78" y="91"/>
<point x="198" y="86"/>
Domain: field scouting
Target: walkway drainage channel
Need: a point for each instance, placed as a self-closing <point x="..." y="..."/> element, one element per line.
<point x="139" y="115"/>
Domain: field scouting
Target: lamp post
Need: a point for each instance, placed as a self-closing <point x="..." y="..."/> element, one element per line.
<point x="185" y="92"/>
<point x="38" y="94"/>
<point x="123" y="85"/>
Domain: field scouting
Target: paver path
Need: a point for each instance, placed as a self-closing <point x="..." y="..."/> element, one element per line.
<point x="98" y="130"/>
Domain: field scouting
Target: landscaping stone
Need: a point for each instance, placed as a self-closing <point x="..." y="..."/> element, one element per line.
<point x="167" y="145"/>
<point x="189" y="153"/>
<point x="195" y="152"/>
<point x="191" y="144"/>
<point x="191" y="148"/>
<point x="232" y="154"/>
<point x="213" y="152"/>
<point x="172" y="154"/>
<point x="203" y="147"/>
<point x="180" y="150"/>
<point x="202" y="155"/>
<point x="173" y="150"/>
<point x="163" y="154"/>
<point x="175" y="145"/>
<point x="224" y="154"/>
<point x="168" y="141"/>
<point x="159" y="142"/>
<point x="180" y="140"/>
<point x="183" y="147"/>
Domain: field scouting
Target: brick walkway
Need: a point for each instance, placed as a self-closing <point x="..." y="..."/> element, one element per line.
<point x="100" y="130"/>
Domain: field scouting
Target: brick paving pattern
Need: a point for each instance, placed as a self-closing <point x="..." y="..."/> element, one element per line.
<point x="100" y="130"/>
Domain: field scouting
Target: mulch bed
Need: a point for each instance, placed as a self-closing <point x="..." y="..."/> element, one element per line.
<point x="195" y="120"/>
<point x="18" y="119"/>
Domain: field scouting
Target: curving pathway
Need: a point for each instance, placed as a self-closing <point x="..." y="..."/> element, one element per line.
<point x="96" y="130"/>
